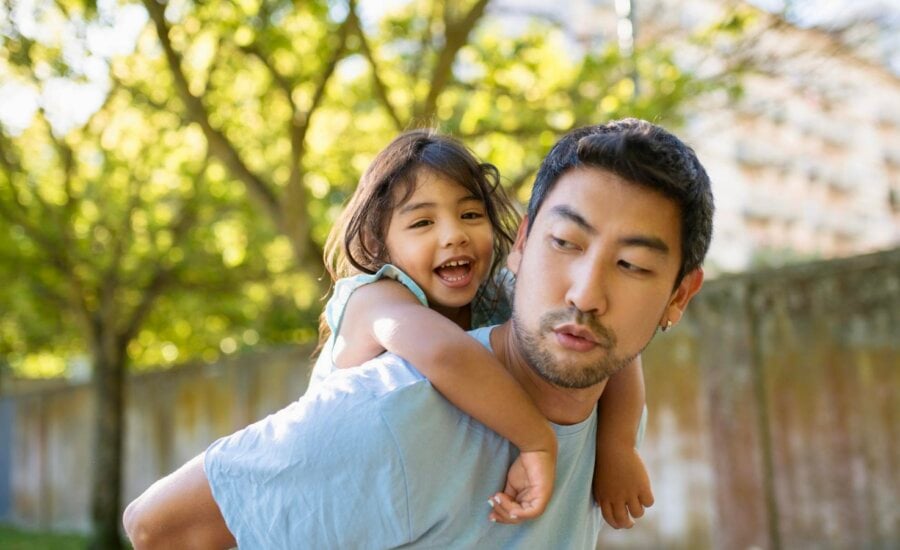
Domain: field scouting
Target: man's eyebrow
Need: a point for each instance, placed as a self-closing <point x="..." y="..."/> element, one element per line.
<point x="570" y="214"/>
<point x="410" y="206"/>
<point x="645" y="241"/>
<point x="653" y="243"/>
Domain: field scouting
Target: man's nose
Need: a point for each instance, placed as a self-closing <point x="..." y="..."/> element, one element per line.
<point x="587" y="288"/>
<point x="454" y="234"/>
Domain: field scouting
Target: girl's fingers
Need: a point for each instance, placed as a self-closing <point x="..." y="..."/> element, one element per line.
<point x="621" y="514"/>
<point x="635" y="508"/>
<point x="506" y="510"/>
<point x="606" y="509"/>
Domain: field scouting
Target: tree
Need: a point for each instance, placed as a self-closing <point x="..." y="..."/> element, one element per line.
<point x="108" y="222"/>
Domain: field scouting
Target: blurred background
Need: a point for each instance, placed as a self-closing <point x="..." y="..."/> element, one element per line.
<point x="169" y="172"/>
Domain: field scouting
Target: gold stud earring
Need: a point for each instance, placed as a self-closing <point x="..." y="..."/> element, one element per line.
<point x="668" y="325"/>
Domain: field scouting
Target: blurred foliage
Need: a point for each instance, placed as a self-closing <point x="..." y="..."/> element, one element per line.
<point x="123" y="215"/>
<point x="226" y="140"/>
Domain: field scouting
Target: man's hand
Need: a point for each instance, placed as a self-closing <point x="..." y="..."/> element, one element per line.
<point x="621" y="485"/>
<point x="529" y="486"/>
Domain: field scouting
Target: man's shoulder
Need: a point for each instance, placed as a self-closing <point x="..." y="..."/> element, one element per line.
<point x="382" y="376"/>
<point x="373" y="380"/>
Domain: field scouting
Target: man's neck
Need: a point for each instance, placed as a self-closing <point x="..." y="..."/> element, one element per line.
<point x="560" y="405"/>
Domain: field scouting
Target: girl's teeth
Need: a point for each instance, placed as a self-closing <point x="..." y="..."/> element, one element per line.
<point x="455" y="263"/>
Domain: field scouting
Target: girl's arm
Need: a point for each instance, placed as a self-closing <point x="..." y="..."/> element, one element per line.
<point x="461" y="369"/>
<point x="621" y="484"/>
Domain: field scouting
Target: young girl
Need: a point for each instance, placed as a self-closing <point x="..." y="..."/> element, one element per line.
<point x="429" y="226"/>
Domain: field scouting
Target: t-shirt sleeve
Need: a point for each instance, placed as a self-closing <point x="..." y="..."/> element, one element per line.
<point x="337" y="304"/>
<point x="334" y="309"/>
<point x="305" y="476"/>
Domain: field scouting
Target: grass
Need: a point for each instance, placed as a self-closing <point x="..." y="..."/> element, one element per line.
<point x="12" y="538"/>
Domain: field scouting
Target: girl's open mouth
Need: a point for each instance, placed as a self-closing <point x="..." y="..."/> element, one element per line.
<point x="455" y="272"/>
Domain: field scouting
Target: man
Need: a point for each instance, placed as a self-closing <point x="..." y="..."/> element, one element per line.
<point x="617" y="227"/>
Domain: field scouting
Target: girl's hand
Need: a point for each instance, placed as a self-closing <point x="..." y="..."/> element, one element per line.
<point x="529" y="486"/>
<point x="621" y="485"/>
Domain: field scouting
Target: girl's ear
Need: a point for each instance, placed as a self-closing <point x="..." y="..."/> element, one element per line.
<point x="514" y="258"/>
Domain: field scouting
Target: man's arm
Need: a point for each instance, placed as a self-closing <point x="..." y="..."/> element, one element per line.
<point x="178" y="511"/>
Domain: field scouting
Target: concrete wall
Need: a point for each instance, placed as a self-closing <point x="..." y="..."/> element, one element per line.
<point x="774" y="417"/>
<point x="775" y="412"/>
<point x="171" y="416"/>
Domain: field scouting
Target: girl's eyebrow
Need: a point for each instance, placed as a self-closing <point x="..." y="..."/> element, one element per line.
<point x="410" y="206"/>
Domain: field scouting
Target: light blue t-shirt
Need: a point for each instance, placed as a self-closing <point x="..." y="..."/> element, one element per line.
<point x="492" y="305"/>
<point x="374" y="457"/>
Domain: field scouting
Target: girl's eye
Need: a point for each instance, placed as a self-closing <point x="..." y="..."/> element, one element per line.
<point x="420" y="223"/>
<point x="473" y="215"/>
<point x="630" y="267"/>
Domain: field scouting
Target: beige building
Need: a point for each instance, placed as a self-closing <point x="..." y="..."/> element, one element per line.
<point x="806" y="164"/>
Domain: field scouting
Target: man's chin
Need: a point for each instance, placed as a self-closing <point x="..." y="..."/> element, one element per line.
<point x="580" y="372"/>
<point x="572" y="375"/>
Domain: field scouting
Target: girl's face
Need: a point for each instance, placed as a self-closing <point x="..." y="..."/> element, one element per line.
<point x="442" y="238"/>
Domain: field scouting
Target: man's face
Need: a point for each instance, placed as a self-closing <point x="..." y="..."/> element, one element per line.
<point x="595" y="276"/>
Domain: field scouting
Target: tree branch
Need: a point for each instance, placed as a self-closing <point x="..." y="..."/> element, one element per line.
<point x="425" y="43"/>
<point x="55" y="253"/>
<point x="328" y="71"/>
<point x="219" y="145"/>
<point x="162" y="276"/>
<point x="294" y="213"/>
<point x="380" y="87"/>
<point x="456" y="36"/>
<point x="57" y="256"/>
<point x="33" y="266"/>
<point x="285" y="85"/>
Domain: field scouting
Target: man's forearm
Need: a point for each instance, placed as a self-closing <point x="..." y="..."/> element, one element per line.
<point x="178" y="511"/>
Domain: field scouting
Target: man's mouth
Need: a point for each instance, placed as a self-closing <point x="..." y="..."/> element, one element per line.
<point x="578" y="336"/>
<point x="574" y="343"/>
<point x="577" y="331"/>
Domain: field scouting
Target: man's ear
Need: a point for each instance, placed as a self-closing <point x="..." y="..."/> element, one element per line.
<point x="514" y="258"/>
<point x="687" y="288"/>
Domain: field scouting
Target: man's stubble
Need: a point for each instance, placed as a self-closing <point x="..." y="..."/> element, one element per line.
<point x="557" y="372"/>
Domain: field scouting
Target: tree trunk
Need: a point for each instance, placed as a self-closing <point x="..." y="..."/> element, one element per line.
<point x="109" y="376"/>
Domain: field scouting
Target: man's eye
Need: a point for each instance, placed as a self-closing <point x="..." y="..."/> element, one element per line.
<point x="628" y="266"/>
<point x="420" y="223"/>
<point x="562" y="244"/>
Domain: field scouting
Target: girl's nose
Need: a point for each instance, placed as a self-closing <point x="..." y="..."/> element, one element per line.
<point x="454" y="234"/>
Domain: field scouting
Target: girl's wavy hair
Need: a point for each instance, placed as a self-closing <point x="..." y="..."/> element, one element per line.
<point x="356" y="243"/>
